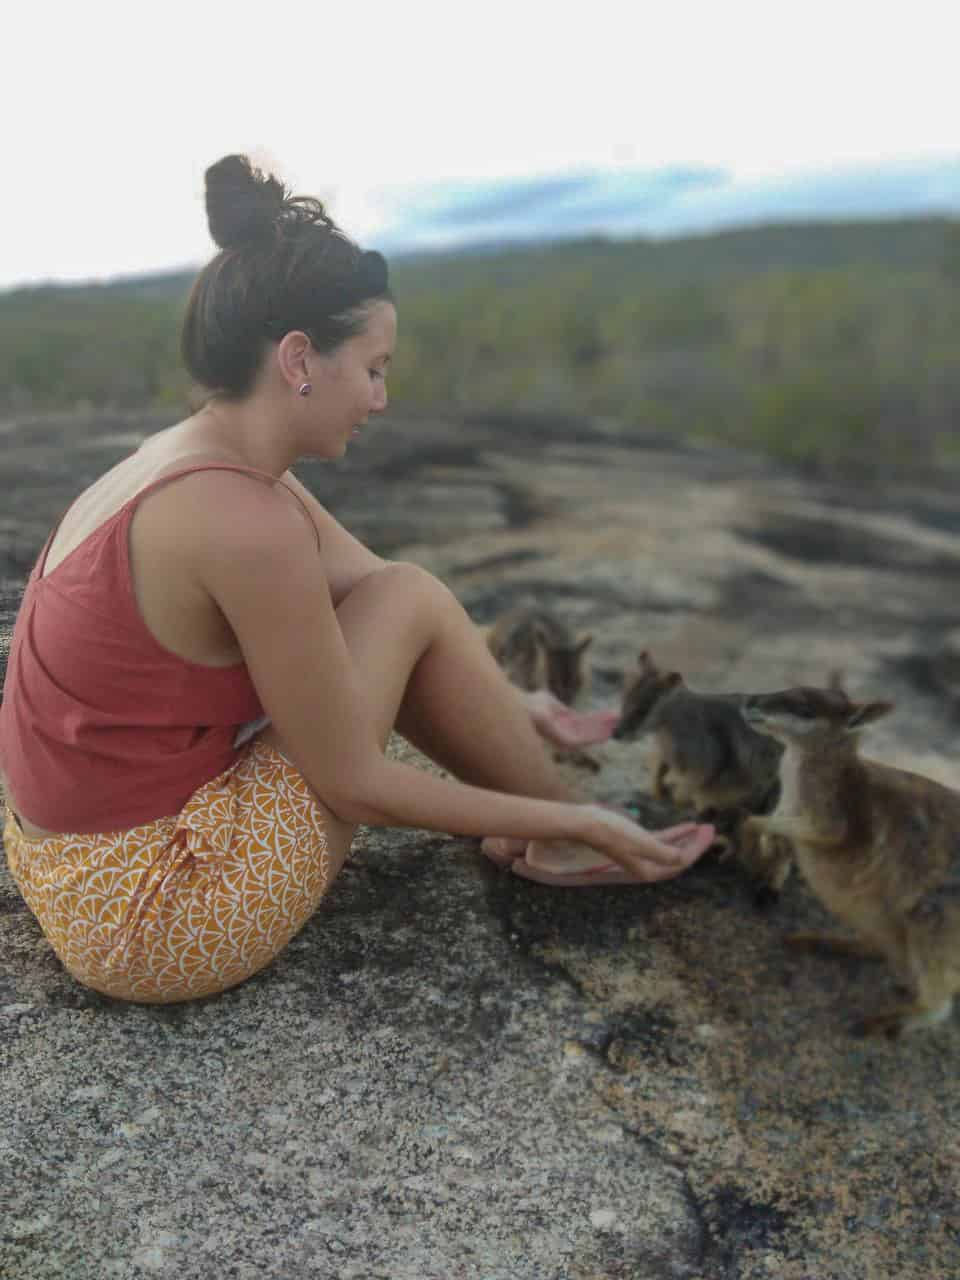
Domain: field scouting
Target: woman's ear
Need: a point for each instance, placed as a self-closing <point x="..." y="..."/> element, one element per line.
<point x="292" y="352"/>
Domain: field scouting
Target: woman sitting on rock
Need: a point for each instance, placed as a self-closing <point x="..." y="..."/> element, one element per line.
<point x="206" y="666"/>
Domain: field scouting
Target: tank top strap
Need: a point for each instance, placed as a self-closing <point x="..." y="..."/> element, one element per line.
<point x="265" y="476"/>
<point x="125" y="512"/>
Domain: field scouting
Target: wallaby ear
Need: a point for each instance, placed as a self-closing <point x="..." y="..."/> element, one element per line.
<point x="835" y="680"/>
<point x="864" y="713"/>
<point x="584" y="643"/>
<point x="645" y="662"/>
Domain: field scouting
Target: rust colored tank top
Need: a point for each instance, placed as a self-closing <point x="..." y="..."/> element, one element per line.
<point x="101" y="727"/>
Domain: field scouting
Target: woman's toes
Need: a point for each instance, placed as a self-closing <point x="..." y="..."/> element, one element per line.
<point x="503" y="849"/>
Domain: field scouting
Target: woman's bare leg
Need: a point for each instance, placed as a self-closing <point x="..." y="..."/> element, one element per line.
<point x="429" y="675"/>
<point x="432" y="678"/>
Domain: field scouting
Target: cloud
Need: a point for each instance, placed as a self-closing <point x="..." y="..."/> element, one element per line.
<point x="662" y="202"/>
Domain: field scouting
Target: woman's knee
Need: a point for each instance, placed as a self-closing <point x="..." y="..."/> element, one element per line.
<point x="414" y="587"/>
<point x="409" y="576"/>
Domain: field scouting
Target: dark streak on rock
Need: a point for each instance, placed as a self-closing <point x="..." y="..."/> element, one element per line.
<point x="818" y="541"/>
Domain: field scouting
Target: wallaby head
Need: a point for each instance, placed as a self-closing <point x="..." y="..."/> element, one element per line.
<point x="810" y="717"/>
<point x="643" y="690"/>
<point x="565" y="664"/>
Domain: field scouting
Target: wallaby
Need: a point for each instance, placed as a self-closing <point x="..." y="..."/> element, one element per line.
<point x="704" y="754"/>
<point x="880" y="847"/>
<point x="707" y="757"/>
<point x="538" y="651"/>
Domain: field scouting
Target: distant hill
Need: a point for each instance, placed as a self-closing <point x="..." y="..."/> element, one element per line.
<point x="911" y="244"/>
<point x="908" y="244"/>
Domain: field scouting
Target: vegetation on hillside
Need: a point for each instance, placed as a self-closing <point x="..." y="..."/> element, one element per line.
<point x="828" y="344"/>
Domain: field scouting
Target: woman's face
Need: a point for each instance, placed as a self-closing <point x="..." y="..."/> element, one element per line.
<point x="350" y="383"/>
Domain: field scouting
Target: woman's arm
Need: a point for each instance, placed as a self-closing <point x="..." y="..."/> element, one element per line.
<point x="262" y="567"/>
<point x="346" y="560"/>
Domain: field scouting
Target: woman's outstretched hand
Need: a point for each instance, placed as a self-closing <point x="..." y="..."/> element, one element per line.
<point x="610" y="848"/>
<point x="642" y="853"/>
<point x="563" y="726"/>
<point x="614" y="850"/>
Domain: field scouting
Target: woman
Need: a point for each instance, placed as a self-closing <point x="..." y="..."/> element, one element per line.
<point x="206" y="666"/>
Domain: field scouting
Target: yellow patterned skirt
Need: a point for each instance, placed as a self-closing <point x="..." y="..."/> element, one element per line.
<point x="184" y="906"/>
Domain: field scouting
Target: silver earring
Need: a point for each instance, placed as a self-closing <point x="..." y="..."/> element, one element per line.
<point x="304" y="389"/>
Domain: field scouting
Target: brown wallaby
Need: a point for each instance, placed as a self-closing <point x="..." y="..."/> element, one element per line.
<point x="538" y="651"/>
<point x="706" y="756"/>
<point x="880" y="847"/>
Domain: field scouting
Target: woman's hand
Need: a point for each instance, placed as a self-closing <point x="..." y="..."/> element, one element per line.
<point x="563" y="726"/>
<point x="613" y="850"/>
<point x="640" y="852"/>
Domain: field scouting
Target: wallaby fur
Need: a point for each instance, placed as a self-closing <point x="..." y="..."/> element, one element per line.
<point x="879" y="846"/>
<point x="705" y="756"/>
<point x="539" y="651"/>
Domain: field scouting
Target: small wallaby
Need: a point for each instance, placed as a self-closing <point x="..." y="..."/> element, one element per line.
<point x="880" y="847"/>
<point x="707" y="757"/>
<point x="704" y="752"/>
<point x="538" y="651"/>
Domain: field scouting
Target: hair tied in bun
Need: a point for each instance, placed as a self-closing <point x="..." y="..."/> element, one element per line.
<point x="243" y="203"/>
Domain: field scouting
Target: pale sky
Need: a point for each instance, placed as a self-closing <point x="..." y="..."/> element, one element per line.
<point x="111" y="110"/>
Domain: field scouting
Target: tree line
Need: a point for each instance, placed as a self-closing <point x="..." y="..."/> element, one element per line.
<point x="828" y="344"/>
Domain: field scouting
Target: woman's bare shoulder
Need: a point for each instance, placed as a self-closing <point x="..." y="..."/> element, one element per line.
<point x="223" y="497"/>
<point x="211" y="523"/>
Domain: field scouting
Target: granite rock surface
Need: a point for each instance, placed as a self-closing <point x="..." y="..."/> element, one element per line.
<point x="452" y="1073"/>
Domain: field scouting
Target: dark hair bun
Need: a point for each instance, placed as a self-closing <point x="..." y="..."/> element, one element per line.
<point x="243" y="204"/>
<point x="372" y="274"/>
